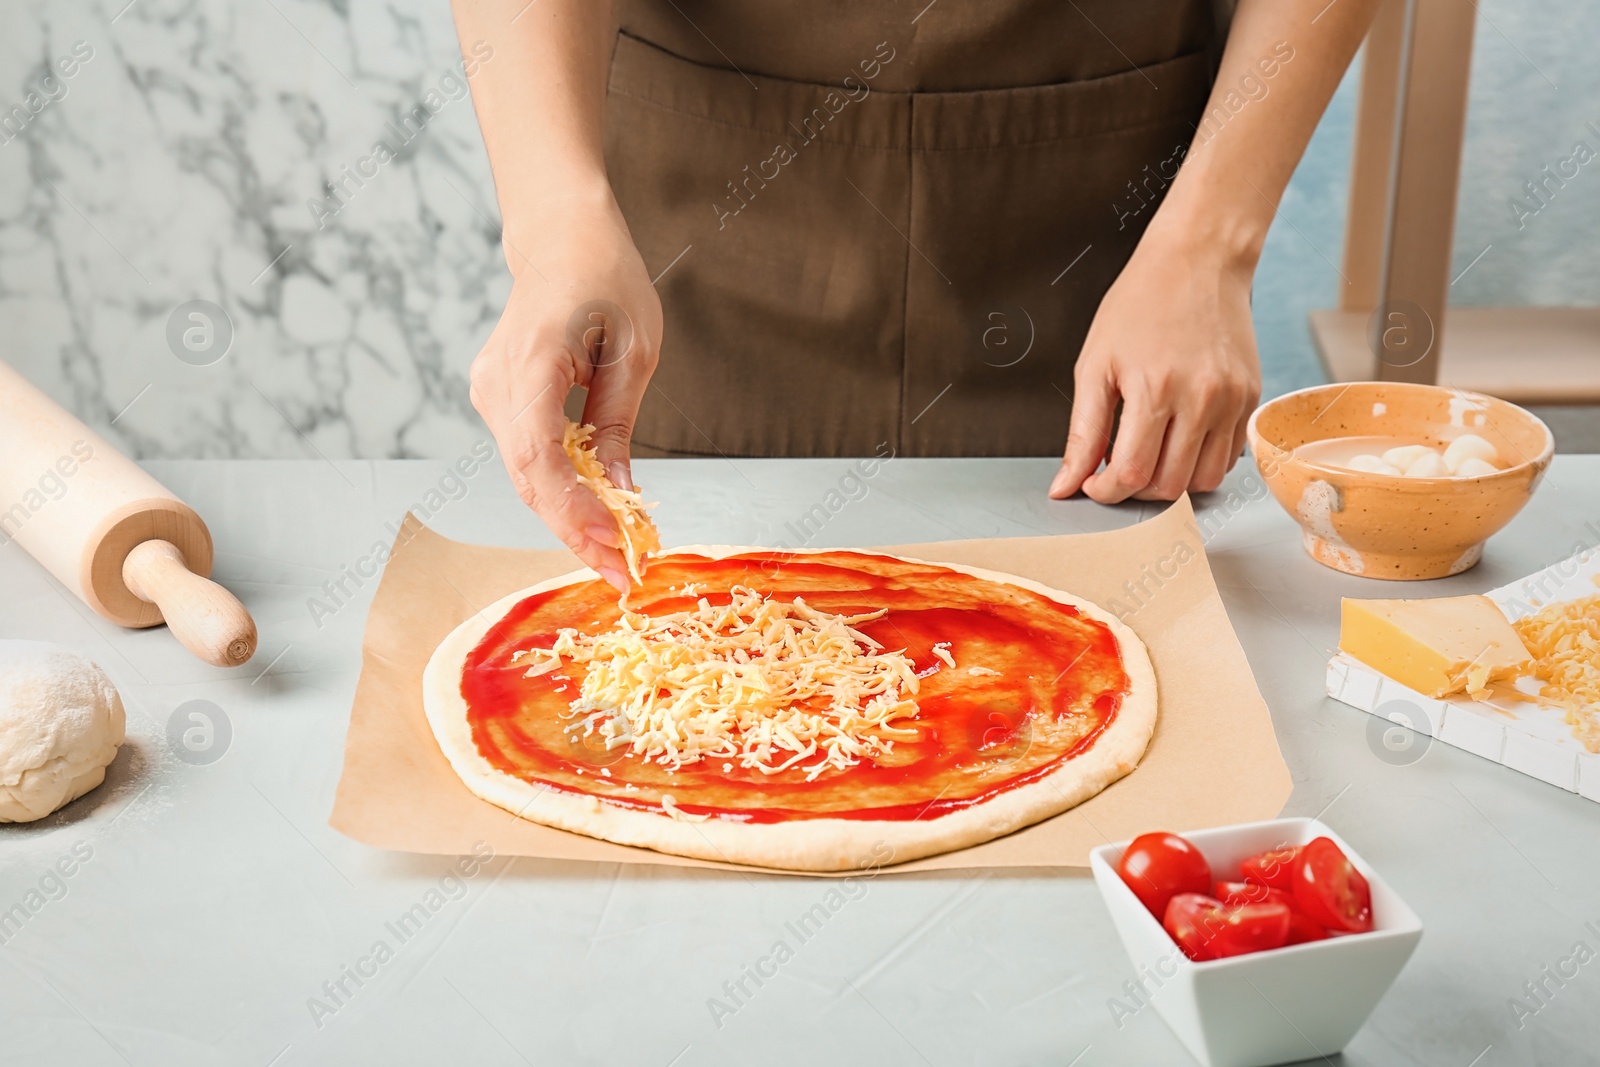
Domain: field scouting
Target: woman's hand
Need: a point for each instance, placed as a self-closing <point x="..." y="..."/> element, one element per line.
<point x="582" y="311"/>
<point x="1173" y="339"/>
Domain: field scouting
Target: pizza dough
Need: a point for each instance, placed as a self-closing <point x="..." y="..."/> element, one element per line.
<point x="814" y="843"/>
<point x="61" y="722"/>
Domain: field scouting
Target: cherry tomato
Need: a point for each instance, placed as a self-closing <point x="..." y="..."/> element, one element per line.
<point x="1330" y="890"/>
<point x="1274" y="868"/>
<point x="1303" y="928"/>
<point x="1207" y="929"/>
<point x="1156" y="866"/>
<point x="1251" y="893"/>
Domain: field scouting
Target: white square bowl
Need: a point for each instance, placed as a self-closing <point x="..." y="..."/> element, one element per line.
<point x="1293" y="1003"/>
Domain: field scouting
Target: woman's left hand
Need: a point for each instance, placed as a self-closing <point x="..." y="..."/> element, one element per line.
<point x="1174" y="341"/>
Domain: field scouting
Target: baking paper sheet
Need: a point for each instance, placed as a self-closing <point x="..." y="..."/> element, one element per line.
<point x="1213" y="759"/>
<point x="1528" y="736"/>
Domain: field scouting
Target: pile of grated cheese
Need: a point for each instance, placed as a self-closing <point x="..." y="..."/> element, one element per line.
<point x="639" y="535"/>
<point x="767" y="684"/>
<point x="1564" y="639"/>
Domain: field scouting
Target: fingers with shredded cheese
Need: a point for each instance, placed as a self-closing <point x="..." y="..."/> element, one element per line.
<point x="638" y="534"/>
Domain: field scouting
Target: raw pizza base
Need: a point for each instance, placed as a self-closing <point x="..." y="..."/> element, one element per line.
<point x="821" y="844"/>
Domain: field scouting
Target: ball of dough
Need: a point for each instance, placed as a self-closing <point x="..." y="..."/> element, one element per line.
<point x="1470" y="446"/>
<point x="61" y="722"/>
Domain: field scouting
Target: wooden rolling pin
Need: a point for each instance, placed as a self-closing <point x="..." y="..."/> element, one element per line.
<point x="118" y="538"/>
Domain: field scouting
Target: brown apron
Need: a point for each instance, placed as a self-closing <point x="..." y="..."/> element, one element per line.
<point x="872" y="227"/>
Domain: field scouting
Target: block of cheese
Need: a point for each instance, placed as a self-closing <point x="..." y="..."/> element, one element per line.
<point x="1438" y="647"/>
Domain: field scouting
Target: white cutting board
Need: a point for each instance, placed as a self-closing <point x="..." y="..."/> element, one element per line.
<point x="1529" y="737"/>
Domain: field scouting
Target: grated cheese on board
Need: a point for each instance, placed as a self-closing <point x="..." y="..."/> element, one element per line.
<point x="766" y="684"/>
<point x="639" y="535"/>
<point x="1564" y="639"/>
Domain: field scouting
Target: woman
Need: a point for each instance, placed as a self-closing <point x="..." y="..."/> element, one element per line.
<point x="939" y="227"/>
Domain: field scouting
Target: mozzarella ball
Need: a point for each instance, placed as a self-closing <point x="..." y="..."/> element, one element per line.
<point x="1403" y="457"/>
<point x="1370" y="464"/>
<point x="1473" y="467"/>
<point x="1428" y="465"/>
<point x="1470" y="446"/>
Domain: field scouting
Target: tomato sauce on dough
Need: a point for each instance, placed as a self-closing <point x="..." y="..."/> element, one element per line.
<point x="1060" y="684"/>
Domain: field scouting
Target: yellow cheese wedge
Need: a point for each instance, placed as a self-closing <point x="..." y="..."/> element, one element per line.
<point x="1437" y="647"/>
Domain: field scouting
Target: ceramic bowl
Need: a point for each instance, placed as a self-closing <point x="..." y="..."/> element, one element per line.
<point x="1301" y="1002"/>
<point x="1382" y="526"/>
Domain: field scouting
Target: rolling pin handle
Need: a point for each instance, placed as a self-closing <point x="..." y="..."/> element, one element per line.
<point x="205" y="618"/>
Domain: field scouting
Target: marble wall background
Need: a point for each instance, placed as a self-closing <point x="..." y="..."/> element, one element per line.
<point x="176" y="162"/>
<point x="178" y="166"/>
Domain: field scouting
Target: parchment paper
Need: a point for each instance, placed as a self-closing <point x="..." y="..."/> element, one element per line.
<point x="1213" y="760"/>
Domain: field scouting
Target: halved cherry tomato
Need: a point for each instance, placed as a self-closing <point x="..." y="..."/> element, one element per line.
<point x="1301" y="926"/>
<point x="1251" y="893"/>
<point x="1157" y="866"/>
<point x="1207" y="929"/>
<point x="1274" y="868"/>
<point x="1330" y="890"/>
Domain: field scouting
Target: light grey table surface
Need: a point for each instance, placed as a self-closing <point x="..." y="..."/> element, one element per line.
<point x="216" y="902"/>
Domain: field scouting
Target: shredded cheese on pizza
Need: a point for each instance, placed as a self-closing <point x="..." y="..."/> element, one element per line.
<point x="669" y="804"/>
<point x="639" y="535"/>
<point x="1564" y="639"/>
<point x="763" y="683"/>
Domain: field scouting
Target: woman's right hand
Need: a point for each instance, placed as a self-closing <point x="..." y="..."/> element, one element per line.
<point x="582" y="311"/>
